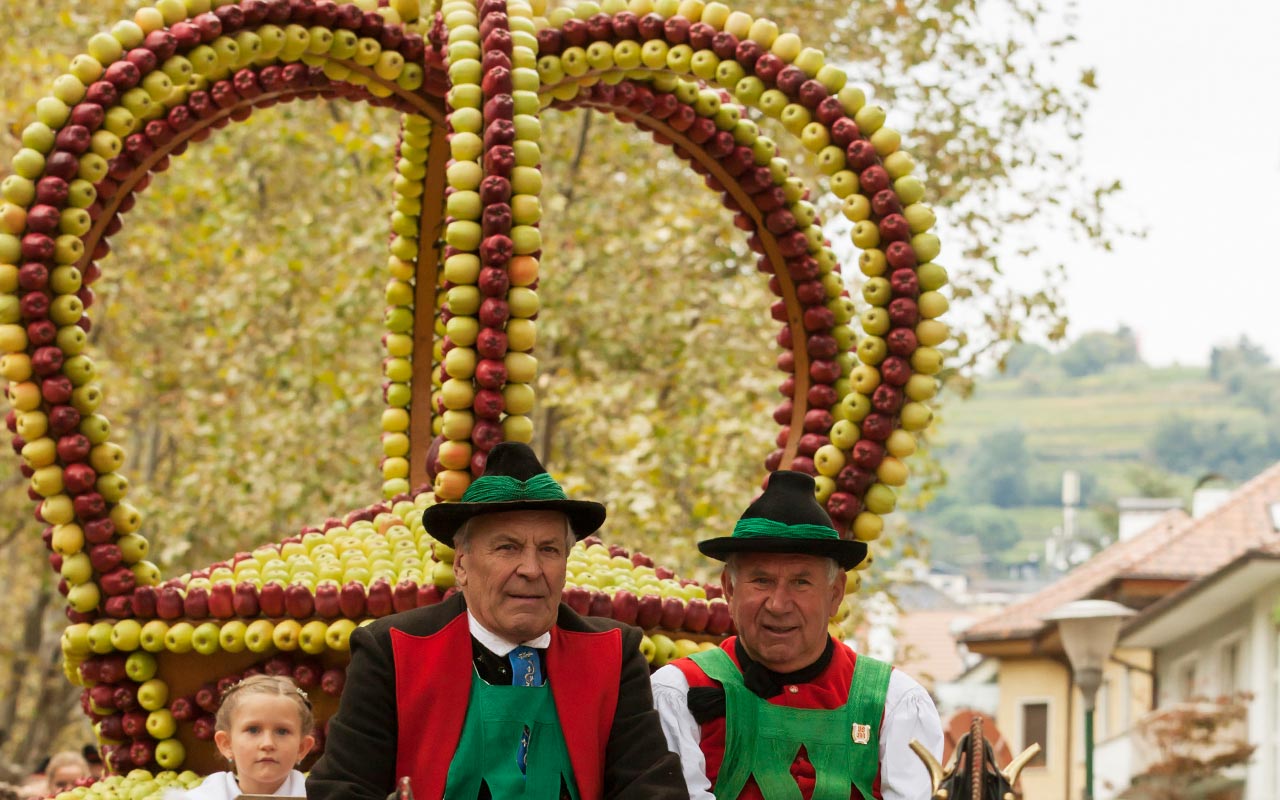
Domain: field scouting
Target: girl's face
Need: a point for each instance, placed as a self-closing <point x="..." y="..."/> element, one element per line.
<point x="265" y="741"/>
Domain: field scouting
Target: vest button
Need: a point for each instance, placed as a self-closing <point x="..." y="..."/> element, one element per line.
<point x="793" y="689"/>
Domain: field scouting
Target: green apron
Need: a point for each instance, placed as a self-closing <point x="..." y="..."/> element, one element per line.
<point x="763" y="739"/>
<point x="494" y="741"/>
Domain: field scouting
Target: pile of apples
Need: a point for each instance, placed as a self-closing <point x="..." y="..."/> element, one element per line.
<point x="471" y="80"/>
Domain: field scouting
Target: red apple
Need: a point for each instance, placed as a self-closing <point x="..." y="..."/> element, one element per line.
<point x="648" y="611"/>
<point x="352" y="600"/>
<point x="271" y="600"/>
<point x="299" y="603"/>
<point x="673" y="613"/>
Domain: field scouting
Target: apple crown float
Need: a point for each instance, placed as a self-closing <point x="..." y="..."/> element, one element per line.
<point x="470" y="79"/>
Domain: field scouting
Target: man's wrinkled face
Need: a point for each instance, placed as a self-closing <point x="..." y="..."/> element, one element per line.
<point x="780" y="604"/>
<point x="511" y="570"/>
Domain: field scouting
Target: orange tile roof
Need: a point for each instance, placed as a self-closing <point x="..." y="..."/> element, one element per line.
<point x="1240" y="524"/>
<point x="1175" y="547"/>
<point x="1023" y="619"/>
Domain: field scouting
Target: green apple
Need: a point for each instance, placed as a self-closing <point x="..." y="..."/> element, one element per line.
<point x="126" y="635"/>
<point x="916" y="416"/>
<point x="312" y="638"/>
<point x="880" y="499"/>
<point x="867" y="527"/>
<point x="258" y="636"/>
<point x="100" y="637"/>
<point x="75" y="640"/>
<point x="286" y="634"/>
<point x="152" y="636"/>
<point x="664" y="649"/>
<point x="83" y="597"/>
<point x="160" y="722"/>
<point x="140" y="666"/>
<point x="169" y="753"/>
<point x="921" y="387"/>
<point x="205" y="638"/>
<point x="178" y="638"/>
<point x="337" y="635"/>
<point x="153" y="694"/>
<point x="830" y="459"/>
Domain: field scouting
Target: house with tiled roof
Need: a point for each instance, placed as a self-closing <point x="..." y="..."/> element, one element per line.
<point x="1153" y="572"/>
<point x="1218" y="635"/>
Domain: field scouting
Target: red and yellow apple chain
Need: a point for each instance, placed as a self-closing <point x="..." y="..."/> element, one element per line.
<point x="167" y="118"/>
<point x="483" y="392"/>
<point x="857" y="465"/>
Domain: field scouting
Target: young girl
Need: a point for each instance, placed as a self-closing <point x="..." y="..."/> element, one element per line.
<point x="263" y="729"/>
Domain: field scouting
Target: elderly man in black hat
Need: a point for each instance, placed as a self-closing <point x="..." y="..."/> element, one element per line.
<point x="783" y="711"/>
<point x="501" y="691"/>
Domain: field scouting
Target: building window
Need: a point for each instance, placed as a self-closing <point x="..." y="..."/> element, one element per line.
<point x="1035" y="728"/>
<point x="1187" y="680"/>
<point x="1230" y="679"/>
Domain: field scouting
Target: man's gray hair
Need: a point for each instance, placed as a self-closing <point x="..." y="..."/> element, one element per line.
<point x="731" y="568"/>
<point x="462" y="535"/>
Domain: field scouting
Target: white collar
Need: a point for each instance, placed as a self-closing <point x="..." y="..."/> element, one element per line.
<point x="496" y="644"/>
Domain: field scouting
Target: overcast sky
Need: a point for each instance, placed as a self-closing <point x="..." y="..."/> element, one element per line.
<point x="1187" y="115"/>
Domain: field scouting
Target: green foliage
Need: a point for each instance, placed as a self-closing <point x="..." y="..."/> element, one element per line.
<point x="1236" y="451"/>
<point x="1243" y="370"/>
<point x="998" y="471"/>
<point x="1026" y="357"/>
<point x="1094" y="352"/>
<point x="993" y="527"/>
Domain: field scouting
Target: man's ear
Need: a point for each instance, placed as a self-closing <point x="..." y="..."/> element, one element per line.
<point x="726" y="583"/>
<point x="459" y="568"/>
<point x="837" y="593"/>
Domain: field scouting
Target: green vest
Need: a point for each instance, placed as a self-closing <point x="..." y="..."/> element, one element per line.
<point x="763" y="739"/>
<point x="494" y="741"/>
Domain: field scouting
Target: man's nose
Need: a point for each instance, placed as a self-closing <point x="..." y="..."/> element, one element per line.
<point x="529" y="565"/>
<point x="778" y="600"/>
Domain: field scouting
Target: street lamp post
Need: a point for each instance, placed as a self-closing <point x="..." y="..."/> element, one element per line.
<point x="1089" y="630"/>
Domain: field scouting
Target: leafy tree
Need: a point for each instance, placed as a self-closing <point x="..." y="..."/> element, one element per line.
<point x="1025" y="356"/>
<point x="994" y="529"/>
<point x="1093" y="352"/>
<point x="1196" y="744"/>
<point x="1245" y="354"/>
<point x="998" y="471"/>
<point x="1236" y="450"/>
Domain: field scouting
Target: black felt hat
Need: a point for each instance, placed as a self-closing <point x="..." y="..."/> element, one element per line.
<point x="787" y="518"/>
<point x="513" y="480"/>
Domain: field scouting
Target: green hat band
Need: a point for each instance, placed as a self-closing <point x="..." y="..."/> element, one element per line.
<point x="505" y="489"/>
<point x="758" y="527"/>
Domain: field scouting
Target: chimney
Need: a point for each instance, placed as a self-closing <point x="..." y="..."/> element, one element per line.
<point x="1207" y="498"/>
<point x="1139" y="513"/>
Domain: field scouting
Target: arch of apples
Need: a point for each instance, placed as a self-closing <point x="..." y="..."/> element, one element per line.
<point x="118" y="117"/>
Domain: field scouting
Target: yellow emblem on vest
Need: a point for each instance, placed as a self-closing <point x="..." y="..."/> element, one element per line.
<point x="861" y="733"/>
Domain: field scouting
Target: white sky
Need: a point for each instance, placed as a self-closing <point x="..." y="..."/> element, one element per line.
<point x="1187" y="115"/>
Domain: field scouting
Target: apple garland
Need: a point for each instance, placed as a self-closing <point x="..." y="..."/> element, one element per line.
<point x="471" y="78"/>
<point x="844" y="428"/>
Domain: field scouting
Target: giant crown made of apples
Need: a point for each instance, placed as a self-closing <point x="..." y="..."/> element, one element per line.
<point x="470" y="79"/>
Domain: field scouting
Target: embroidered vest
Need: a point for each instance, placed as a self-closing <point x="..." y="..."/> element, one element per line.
<point x="762" y="739"/>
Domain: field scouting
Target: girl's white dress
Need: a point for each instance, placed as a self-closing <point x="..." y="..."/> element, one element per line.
<point x="223" y="786"/>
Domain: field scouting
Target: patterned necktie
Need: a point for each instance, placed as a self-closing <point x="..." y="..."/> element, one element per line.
<point x="525" y="670"/>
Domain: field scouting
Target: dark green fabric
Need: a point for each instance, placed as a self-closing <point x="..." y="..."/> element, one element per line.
<point x="763" y="739"/>
<point x="756" y="527"/>
<point x="487" y="752"/>
<point x="505" y="489"/>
